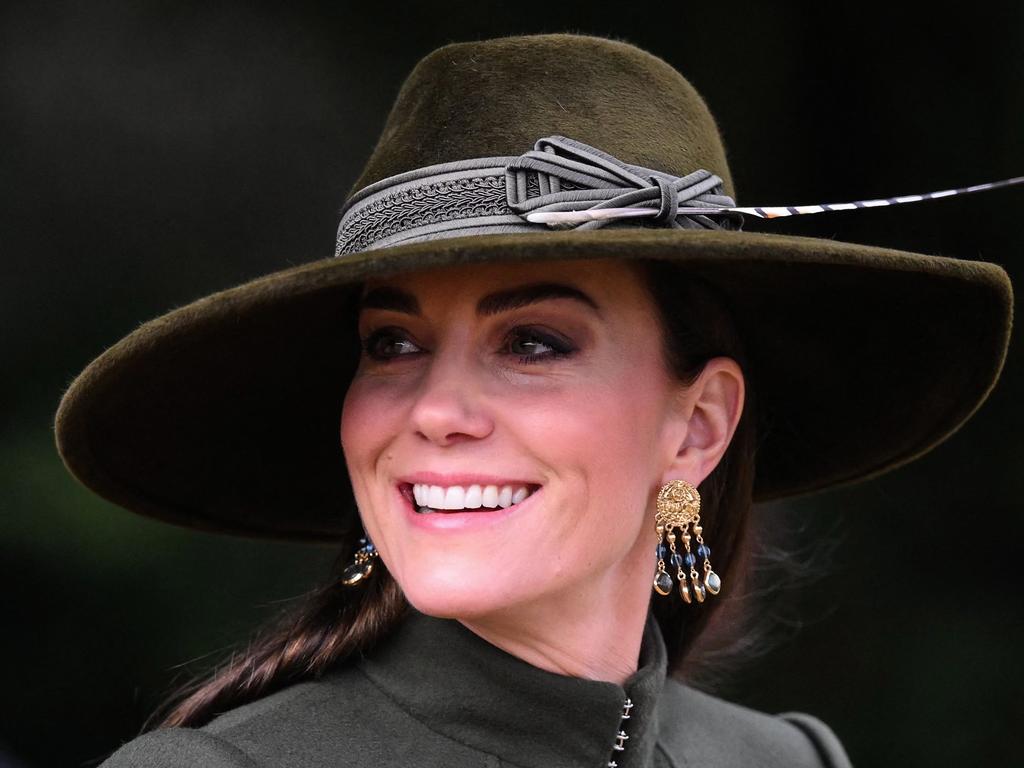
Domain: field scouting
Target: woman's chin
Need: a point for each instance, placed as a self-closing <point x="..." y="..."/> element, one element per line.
<point x="458" y="594"/>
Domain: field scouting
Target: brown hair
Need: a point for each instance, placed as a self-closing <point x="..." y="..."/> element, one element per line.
<point x="334" y="622"/>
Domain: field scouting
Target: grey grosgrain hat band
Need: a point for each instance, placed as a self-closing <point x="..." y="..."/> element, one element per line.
<point x="493" y="194"/>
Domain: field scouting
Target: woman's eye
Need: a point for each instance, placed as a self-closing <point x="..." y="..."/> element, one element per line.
<point x="532" y="346"/>
<point x="529" y="345"/>
<point x="386" y="343"/>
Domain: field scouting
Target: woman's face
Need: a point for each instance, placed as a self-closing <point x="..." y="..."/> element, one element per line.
<point x="479" y="381"/>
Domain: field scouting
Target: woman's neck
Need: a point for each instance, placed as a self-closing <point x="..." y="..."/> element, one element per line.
<point x="593" y="631"/>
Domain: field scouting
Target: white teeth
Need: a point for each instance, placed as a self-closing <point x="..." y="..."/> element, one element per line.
<point x="435" y="497"/>
<point x="455" y="498"/>
<point x="490" y="496"/>
<point x="474" y="497"/>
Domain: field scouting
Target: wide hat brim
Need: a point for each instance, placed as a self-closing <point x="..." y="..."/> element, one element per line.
<point x="224" y="414"/>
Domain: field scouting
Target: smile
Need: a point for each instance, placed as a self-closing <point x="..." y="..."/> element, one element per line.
<point x="428" y="499"/>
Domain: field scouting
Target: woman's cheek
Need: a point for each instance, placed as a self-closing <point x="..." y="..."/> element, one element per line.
<point x="371" y="404"/>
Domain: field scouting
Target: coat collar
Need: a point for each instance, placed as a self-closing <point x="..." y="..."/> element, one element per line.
<point x="467" y="689"/>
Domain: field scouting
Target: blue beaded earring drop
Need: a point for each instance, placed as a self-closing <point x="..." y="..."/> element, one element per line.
<point x="362" y="565"/>
<point x="679" y="508"/>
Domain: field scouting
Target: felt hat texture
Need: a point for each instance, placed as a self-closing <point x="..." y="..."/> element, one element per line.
<point x="224" y="414"/>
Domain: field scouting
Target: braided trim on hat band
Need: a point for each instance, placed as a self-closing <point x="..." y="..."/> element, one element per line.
<point x="493" y="195"/>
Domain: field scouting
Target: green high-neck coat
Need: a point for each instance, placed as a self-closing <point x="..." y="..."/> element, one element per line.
<point x="436" y="694"/>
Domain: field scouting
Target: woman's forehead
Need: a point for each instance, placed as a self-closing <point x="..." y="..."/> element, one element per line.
<point x="601" y="287"/>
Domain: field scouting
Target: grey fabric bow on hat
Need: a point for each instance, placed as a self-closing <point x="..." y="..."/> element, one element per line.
<point x="562" y="174"/>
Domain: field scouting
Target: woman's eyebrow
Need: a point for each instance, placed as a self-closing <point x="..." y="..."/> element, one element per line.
<point x="393" y="299"/>
<point x="397" y="300"/>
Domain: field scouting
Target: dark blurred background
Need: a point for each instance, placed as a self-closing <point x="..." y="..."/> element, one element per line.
<point x="153" y="152"/>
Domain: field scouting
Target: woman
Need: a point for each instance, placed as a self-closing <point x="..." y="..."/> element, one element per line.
<point x="537" y="447"/>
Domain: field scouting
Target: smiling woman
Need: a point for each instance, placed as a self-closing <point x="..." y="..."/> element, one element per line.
<point x="536" y="409"/>
<point x="548" y="380"/>
<point x="528" y="444"/>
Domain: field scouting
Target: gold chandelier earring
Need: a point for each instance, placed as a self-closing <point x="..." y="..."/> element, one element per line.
<point x="679" y="509"/>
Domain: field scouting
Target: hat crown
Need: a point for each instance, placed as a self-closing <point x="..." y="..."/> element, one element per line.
<point x="495" y="98"/>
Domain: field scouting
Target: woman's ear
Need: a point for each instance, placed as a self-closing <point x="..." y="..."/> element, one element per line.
<point x="708" y="413"/>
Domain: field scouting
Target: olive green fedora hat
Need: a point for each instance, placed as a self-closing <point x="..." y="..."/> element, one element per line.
<point x="224" y="414"/>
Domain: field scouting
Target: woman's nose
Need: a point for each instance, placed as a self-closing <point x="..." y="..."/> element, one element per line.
<point x="448" y="402"/>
